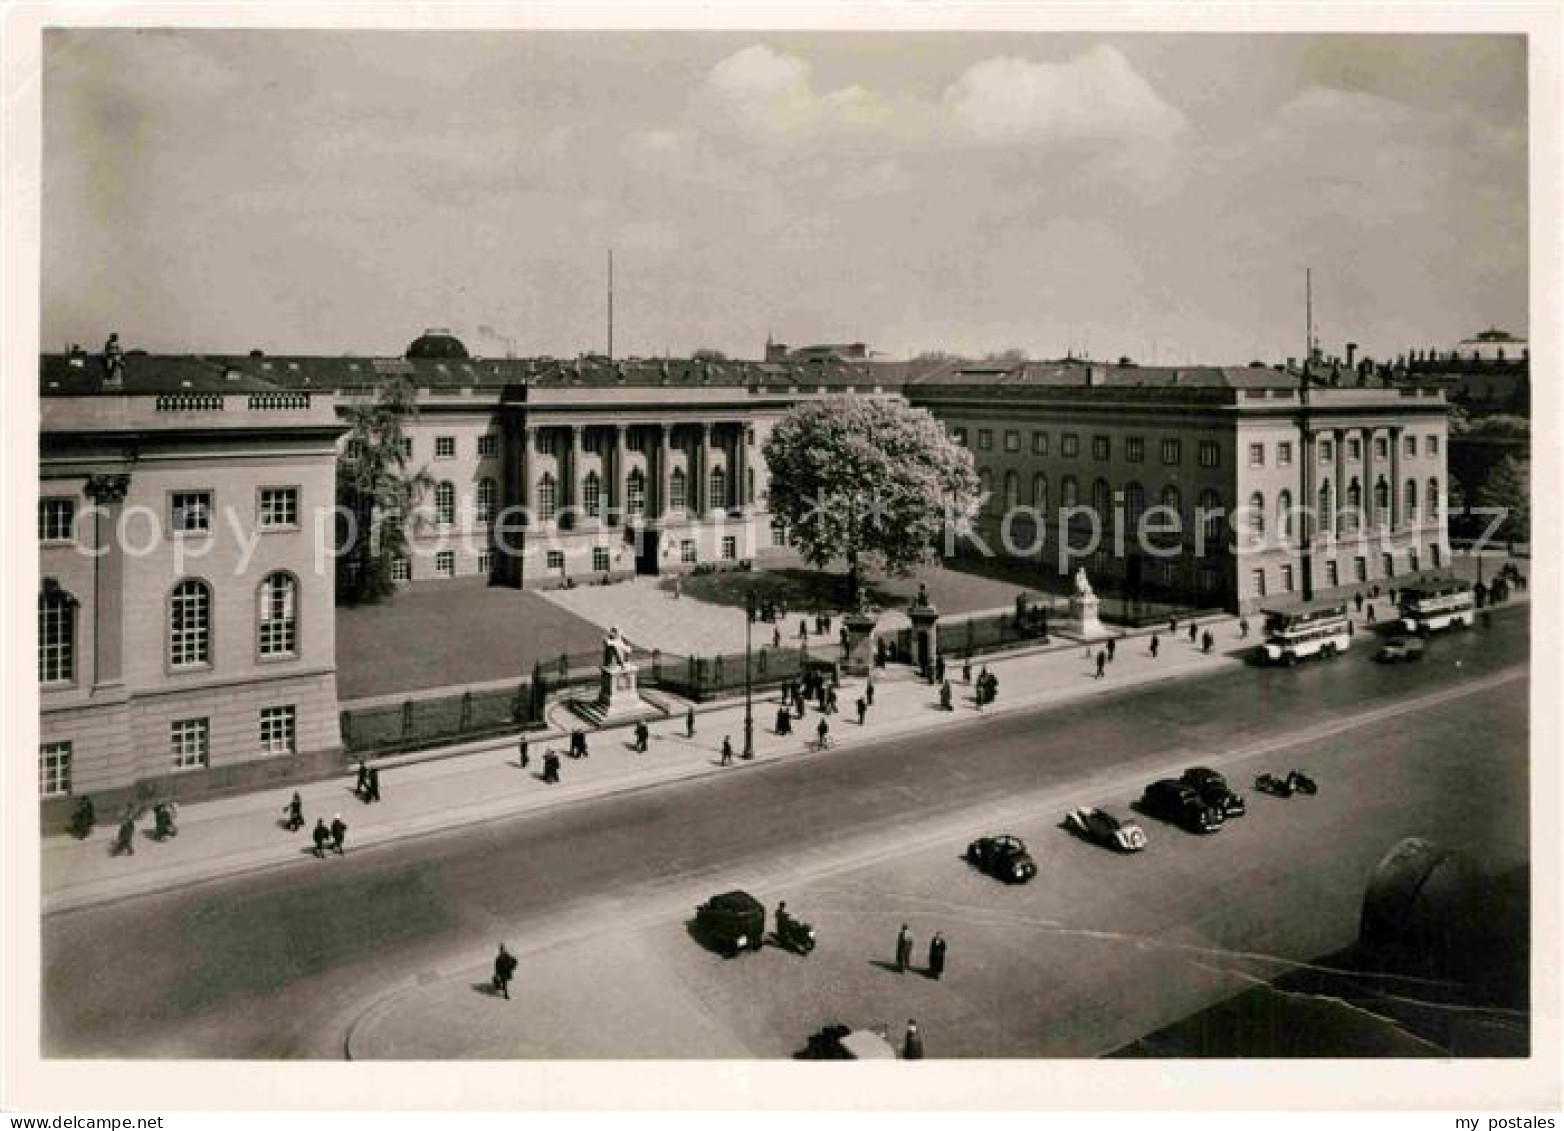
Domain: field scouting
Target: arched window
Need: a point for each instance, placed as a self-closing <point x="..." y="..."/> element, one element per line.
<point x="444" y="503"/>
<point x="1209" y="512"/>
<point x="1327" y="509"/>
<point x="719" y="490"/>
<point x="1134" y="505"/>
<point x="1069" y="493"/>
<point x="1040" y="492"/>
<point x="1354" y="515"/>
<point x="1381" y="498"/>
<point x="985" y="489"/>
<point x="1012" y="490"/>
<point x="548" y="497"/>
<point x="56" y="636"/>
<point x="592" y="495"/>
<point x="190" y="624"/>
<point x="635" y="493"/>
<point x="1409" y="501"/>
<point x="1102" y="502"/>
<point x="1256" y="515"/>
<point x="278" y="617"/>
<point x="678" y="489"/>
<point x="1284" y="514"/>
<point x="1434" y="502"/>
<point x="1173" y="500"/>
<point x="486" y="497"/>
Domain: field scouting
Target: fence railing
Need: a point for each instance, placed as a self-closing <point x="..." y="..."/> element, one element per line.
<point x="418" y="723"/>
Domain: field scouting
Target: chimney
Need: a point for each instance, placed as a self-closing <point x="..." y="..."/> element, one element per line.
<point x="1352" y="349"/>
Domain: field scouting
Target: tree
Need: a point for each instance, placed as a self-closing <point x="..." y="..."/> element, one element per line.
<point x="869" y="480"/>
<point x="376" y="489"/>
<point x="1014" y="355"/>
<point x="1508" y="487"/>
<point x="708" y="355"/>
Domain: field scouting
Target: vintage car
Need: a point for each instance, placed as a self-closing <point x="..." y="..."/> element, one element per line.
<point x="1214" y="791"/>
<point x="1101" y="827"/>
<point x="1182" y="805"/>
<point x="839" y="1042"/>
<point x="732" y="922"/>
<point x="1004" y="857"/>
<point x="1400" y="648"/>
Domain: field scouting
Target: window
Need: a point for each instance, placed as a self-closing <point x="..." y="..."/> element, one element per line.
<point x="600" y="559"/>
<point x="353" y="451"/>
<point x="1431" y="446"/>
<point x="635" y="440"/>
<point x="445" y="563"/>
<point x="1210" y="453"/>
<point x="1360" y="568"/>
<point x="1134" y="449"/>
<point x="1012" y="440"/>
<point x="192" y="512"/>
<point x="190" y="624"/>
<point x="1039" y="443"/>
<point x="1069" y="493"/>
<point x="1354" y="449"/>
<point x="545" y="441"/>
<point x="488" y="446"/>
<point x="56" y="636"/>
<point x="1381" y="448"/>
<point x="405" y="444"/>
<point x="548" y="497"/>
<point x="1287" y="582"/>
<point x="1284" y="514"/>
<point x="277" y="730"/>
<point x="592" y="495"/>
<point x="444" y="503"/>
<point x="56" y="519"/>
<point x="1174" y="502"/>
<point x="1258" y="582"/>
<point x="1433" y="502"/>
<point x="1256" y="455"/>
<point x="445" y="447"/>
<point x="1101" y="447"/>
<point x="485" y="502"/>
<point x="1284" y="453"/>
<point x="1102" y="501"/>
<point x="1414" y="563"/>
<point x="960" y="436"/>
<point x="1332" y="575"/>
<point x="1354" y="503"/>
<point x="1388" y="562"/>
<point x="556" y="561"/>
<point x="1433" y="555"/>
<point x="1327" y="517"/>
<point x="1172" y="452"/>
<point x="54" y="769"/>
<point x="1210" y="579"/>
<point x="1256" y="515"/>
<point x="278" y="617"/>
<point x="635" y="494"/>
<point x="678" y="489"/>
<point x="1409" y="501"/>
<point x="485" y="563"/>
<point x="687" y="551"/>
<point x="188" y="740"/>
<point x="985" y="438"/>
<point x="401" y="569"/>
<point x="1381" y="497"/>
<point x="778" y="532"/>
<point x="1012" y="490"/>
<point x="1210" y="509"/>
<point x="1040" y="492"/>
<point x="730" y="547"/>
<point x="719" y="488"/>
<point x="1327" y="451"/>
<point x="1409" y="445"/>
<point x="279" y="506"/>
<point x="1069" y="445"/>
<point x="1134" y="506"/>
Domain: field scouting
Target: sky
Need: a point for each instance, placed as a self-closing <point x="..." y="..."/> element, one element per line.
<point x="1150" y="196"/>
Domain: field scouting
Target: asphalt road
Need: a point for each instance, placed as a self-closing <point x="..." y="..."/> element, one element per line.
<point x="272" y="965"/>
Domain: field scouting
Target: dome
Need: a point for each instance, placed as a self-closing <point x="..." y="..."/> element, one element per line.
<point x="437" y="344"/>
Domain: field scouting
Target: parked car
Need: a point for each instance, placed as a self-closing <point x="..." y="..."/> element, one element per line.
<point x="840" y="1042"/>
<point x="1004" y="857"/>
<point x="1182" y="805"/>
<point x="1101" y="827"/>
<point x="734" y="922"/>
<point x="1296" y="781"/>
<point x="1214" y="791"/>
<point x="1400" y="648"/>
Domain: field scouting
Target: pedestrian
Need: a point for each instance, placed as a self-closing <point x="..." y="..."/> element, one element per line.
<point x="374" y="784"/>
<point x="504" y="971"/>
<point x="1172" y="626"/>
<point x="1243" y="628"/>
<point x="125" y="842"/>
<point x="776" y="636"/>
<point x="966" y="670"/>
<point x="339" y="834"/>
<point x="1112" y="643"/>
<point x="1155" y="644"/>
<point x="1371" y="612"/>
<point x="1206" y="640"/>
<point x="642" y="734"/>
<point x="993" y="687"/>
<point x="903" y="949"/>
<point x="945" y="697"/>
<point x="823" y="731"/>
<point x="361" y="788"/>
<point x="784" y="721"/>
<point x="868" y="691"/>
<point x="676" y="589"/>
<point x="1357" y="599"/>
<point x="294" y="811"/>
<point x="937" y="956"/>
<point x="727" y="751"/>
<point x="689" y="722"/>
<point x="912" y="1044"/>
<point x="939" y="670"/>
<point x="524" y="754"/>
<point x="1102" y="664"/>
<point x="551" y="768"/>
<point x="863" y="710"/>
<point x="798" y="706"/>
<point x="322" y="835"/>
<point x="1191" y="632"/>
<point x="830" y="701"/>
<point x="803" y="629"/>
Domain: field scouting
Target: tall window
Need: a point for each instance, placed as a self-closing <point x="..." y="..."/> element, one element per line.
<point x="1069" y="492"/>
<point x="1039" y="443"/>
<point x="1134" y="449"/>
<point x="1410" y="501"/>
<point x="190" y="624"/>
<point x="1434" y="502"/>
<point x="1210" y="506"/>
<point x="1354" y="502"/>
<point x="985" y="439"/>
<point x="56" y="517"/>
<point x="488" y="445"/>
<point x="1172" y="451"/>
<point x="678" y="489"/>
<point x="1069" y="445"/>
<point x="1040" y="492"/>
<point x="1102" y="501"/>
<point x="1431" y="445"/>
<point x="1256" y="455"/>
<point x="444" y="503"/>
<point x="279" y="506"/>
<point x="1381" y="498"/>
<point x="485" y="502"/>
<point x="548" y="497"/>
<point x="277" y="730"/>
<point x="635" y="495"/>
<point x="1012" y="490"/>
<point x="1173" y="501"/>
<point x="600" y="559"/>
<point x="1102" y="447"/>
<point x="54" y="769"/>
<point x="1134" y="506"/>
<point x="279" y="617"/>
<point x="719" y="488"/>
<point x="56" y="636"/>
<point x="189" y="741"/>
<point x="592" y="495"/>
<point x="1210" y="453"/>
<point x="1284" y="514"/>
<point x="1256" y="515"/>
<point x="1327" y="509"/>
<point x="1409" y="445"/>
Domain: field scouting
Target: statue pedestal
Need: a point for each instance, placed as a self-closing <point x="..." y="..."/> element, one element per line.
<point x="618" y="700"/>
<point x="860" y="643"/>
<point x="925" y="639"/>
<point x="1083" y="612"/>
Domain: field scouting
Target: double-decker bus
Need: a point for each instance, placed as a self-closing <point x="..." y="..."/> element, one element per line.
<point x="1297" y="634"/>
<point x="1442" y="604"/>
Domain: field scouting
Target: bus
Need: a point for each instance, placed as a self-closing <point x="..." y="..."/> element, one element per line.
<point x="1442" y="604"/>
<point x="1297" y="634"/>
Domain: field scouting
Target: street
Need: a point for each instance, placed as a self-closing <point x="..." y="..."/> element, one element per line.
<point x="279" y="964"/>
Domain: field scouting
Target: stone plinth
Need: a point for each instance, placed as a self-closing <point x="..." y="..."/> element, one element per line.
<point x="618" y="700"/>
<point x="860" y="643"/>
<point x="925" y="640"/>
<point x="1085" y="623"/>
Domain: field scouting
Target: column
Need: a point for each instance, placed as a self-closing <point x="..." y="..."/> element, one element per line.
<point x="1368" y="480"/>
<point x="1339" y="495"/>
<point x="108" y="620"/>
<point x="528" y="436"/>
<point x="574" y="502"/>
<point x="701" y="485"/>
<point x="1395" y="478"/>
<point x="741" y="446"/>
<point x="664" y="460"/>
<point x="620" y="491"/>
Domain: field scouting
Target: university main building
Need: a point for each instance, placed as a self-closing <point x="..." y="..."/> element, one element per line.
<point x="185" y="518"/>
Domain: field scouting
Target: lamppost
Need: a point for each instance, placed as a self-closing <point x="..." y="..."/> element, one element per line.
<point x="749" y="704"/>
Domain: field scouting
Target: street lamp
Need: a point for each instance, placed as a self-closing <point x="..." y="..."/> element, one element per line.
<point x="749" y="703"/>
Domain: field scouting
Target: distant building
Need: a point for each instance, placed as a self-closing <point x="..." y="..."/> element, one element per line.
<point x="1487" y="373"/>
<point x="849" y="351"/>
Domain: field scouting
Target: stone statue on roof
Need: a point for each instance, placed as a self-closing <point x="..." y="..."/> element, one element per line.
<point x="113" y="357"/>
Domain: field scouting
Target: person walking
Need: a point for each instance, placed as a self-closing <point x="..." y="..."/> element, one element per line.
<point x="293" y="819"/>
<point x="1155" y="644"/>
<point x="776" y="636"/>
<point x="993" y="687"/>
<point x="939" y="669"/>
<point x="803" y="629"/>
<point x="551" y="768"/>
<point x="937" y="956"/>
<point x="1172" y="626"/>
<point x="912" y="1043"/>
<point x="798" y="706"/>
<point x="1371" y="617"/>
<point x="727" y="751"/>
<point x="830" y="700"/>
<point x="903" y="949"/>
<point x="524" y="754"/>
<point x="125" y="841"/>
<point x="339" y="835"/>
<point x="322" y="836"/>
<point x="945" y="703"/>
<point x="966" y="670"/>
<point x="689" y="722"/>
<point x="1102" y="665"/>
<point x="373" y="792"/>
<point x="504" y="971"/>
<point x="361" y="787"/>
<point x="1243" y="628"/>
<point x="868" y="691"/>
<point x="642" y="735"/>
<point x="1112" y="645"/>
<point x="1191" y="632"/>
<point x="1206" y="640"/>
<point x="784" y="721"/>
<point x="1357" y="600"/>
<point x="823" y="731"/>
<point x="863" y="710"/>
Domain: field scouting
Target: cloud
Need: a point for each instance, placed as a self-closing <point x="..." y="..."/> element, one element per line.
<point x="1094" y="97"/>
<point x="762" y="95"/>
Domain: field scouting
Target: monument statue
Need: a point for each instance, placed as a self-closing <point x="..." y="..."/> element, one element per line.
<point x="1083" y="587"/>
<point x="616" y="649"/>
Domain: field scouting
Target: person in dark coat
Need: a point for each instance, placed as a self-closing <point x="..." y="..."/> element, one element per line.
<point x="966" y="670"/>
<point x="1371" y="617"/>
<point x="1357" y="599"/>
<point x="798" y="706"/>
<point x="1206" y="640"/>
<point x="727" y="751"/>
<point x="863" y="710"/>
<point x="1191" y="632"/>
<point x="784" y="721"/>
<point x="374" y="784"/>
<point x="642" y="736"/>
<point x="361" y="788"/>
<point x="294" y="810"/>
<point x="339" y="835"/>
<point x="1155" y="644"/>
<point x="525" y="755"/>
<point x="803" y="629"/>
<point x="126" y="840"/>
<point x="945" y="703"/>
<point x="823" y="732"/>
<point x="912" y="1043"/>
<point x="322" y="836"/>
<point x="993" y="687"/>
<point x="1102" y="665"/>
<point x="551" y="768"/>
<point x="868" y="692"/>
<point x="939" y="669"/>
<point x="776" y="636"/>
<point x="903" y="949"/>
<point x="1112" y="647"/>
<point x="504" y="971"/>
<point x="937" y="956"/>
<point x="689" y="723"/>
<point x="830" y="700"/>
<point x="83" y="817"/>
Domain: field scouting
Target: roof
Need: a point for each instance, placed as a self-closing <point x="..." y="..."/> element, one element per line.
<point x="1491" y="335"/>
<point x="1083" y="374"/>
<point x="437" y="344"/>
<point x="83" y="374"/>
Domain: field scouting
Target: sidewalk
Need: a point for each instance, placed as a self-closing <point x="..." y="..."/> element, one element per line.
<point x="483" y="781"/>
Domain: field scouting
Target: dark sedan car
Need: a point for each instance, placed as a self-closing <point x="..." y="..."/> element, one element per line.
<point x="1004" y="857"/>
<point x="734" y="921"/>
<point x="1214" y="791"/>
<point x="1181" y="805"/>
<point x="1101" y="827"/>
